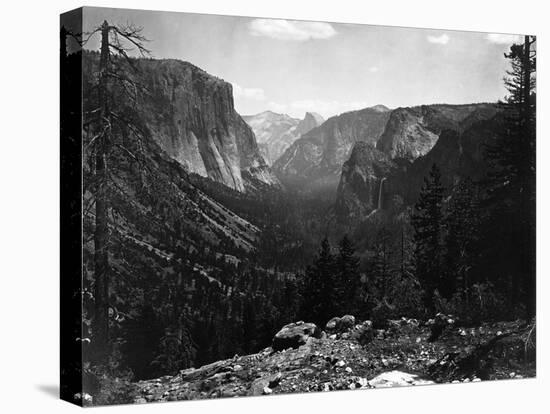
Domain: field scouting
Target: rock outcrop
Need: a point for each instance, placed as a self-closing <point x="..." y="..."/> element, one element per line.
<point x="191" y="116"/>
<point x="412" y="132"/>
<point x="342" y="324"/>
<point x="458" y="154"/>
<point x="398" y="356"/>
<point x="295" y="335"/>
<point x="361" y="188"/>
<point x="276" y="132"/>
<point x="314" y="162"/>
<point x="311" y="120"/>
<point x="451" y="136"/>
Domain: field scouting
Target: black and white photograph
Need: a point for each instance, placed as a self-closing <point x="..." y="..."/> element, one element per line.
<point x="273" y="206"/>
<point x="290" y="206"/>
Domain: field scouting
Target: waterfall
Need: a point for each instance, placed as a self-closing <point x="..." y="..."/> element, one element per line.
<point x="380" y="194"/>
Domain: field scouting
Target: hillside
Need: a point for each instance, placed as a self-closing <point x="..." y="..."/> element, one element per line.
<point x="313" y="162"/>
<point x="452" y="137"/>
<point x="276" y="132"/>
<point x="215" y="254"/>
<point x="412" y="132"/>
<point x="190" y="114"/>
<point x="359" y="357"/>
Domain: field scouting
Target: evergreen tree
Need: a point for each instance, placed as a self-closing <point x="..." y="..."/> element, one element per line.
<point x="405" y="260"/>
<point x="427" y="221"/>
<point x="462" y="223"/>
<point x="348" y="279"/>
<point x="109" y="121"/>
<point x="380" y="278"/>
<point x="250" y="324"/>
<point x="512" y="185"/>
<point x="381" y="267"/>
<point x="290" y="300"/>
<point x="319" y="287"/>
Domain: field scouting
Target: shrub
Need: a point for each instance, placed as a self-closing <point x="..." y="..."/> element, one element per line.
<point x="396" y="298"/>
<point x="480" y="303"/>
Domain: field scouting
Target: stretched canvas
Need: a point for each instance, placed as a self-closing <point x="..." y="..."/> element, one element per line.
<point x="256" y="206"/>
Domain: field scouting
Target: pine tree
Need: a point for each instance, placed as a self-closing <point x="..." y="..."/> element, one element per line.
<point x="250" y="325"/>
<point x="512" y="187"/>
<point x="405" y="260"/>
<point x="319" y="287"/>
<point x="290" y="300"/>
<point x="427" y="221"/>
<point x="106" y="125"/>
<point x="348" y="279"/>
<point x="381" y="266"/>
<point x="462" y="223"/>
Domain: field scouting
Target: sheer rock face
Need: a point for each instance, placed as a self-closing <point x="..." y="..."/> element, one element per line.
<point x="311" y="120"/>
<point x="276" y="132"/>
<point x="314" y="161"/>
<point x="191" y="115"/>
<point x="451" y="136"/>
<point x="361" y="188"/>
<point x="458" y="154"/>
<point x="412" y="132"/>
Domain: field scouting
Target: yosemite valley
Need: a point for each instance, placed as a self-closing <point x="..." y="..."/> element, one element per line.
<point x="393" y="241"/>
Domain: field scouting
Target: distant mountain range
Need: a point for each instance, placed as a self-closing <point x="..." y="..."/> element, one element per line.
<point x="314" y="162"/>
<point x="276" y="132"/>
<point x="358" y="158"/>
<point x="451" y="136"/>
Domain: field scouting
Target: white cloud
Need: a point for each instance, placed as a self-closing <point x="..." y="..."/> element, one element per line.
<point x="256" y="94"/>
<point x="291" y="29"/>
<point x="374" y="69"/>
<point x="503" y="39"/>
<point x="277" y="107"/>
<point x="440" y="40"/>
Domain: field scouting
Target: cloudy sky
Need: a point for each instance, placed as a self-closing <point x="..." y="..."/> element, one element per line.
<point x="296" y="66"/>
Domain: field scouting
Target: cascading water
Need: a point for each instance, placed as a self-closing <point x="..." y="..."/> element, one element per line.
<point x="379" y="207"/>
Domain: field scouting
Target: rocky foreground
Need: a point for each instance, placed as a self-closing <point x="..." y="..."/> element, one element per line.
<point x="356" y="356"/>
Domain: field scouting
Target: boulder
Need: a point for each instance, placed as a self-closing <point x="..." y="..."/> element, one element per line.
<point x="332" y="324"/>
<point x="363" y="333"/>
<point x="438" y="324"/>
<point x="397" y="379"/>
<point x="346" y="322"/>
<point x="295" y="335"/>
<point x="340" y="325"/>
<point x="264" y="385"/>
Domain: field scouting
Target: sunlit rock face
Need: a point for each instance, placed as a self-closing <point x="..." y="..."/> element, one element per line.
<point x="276" y="132"/>
<point x="361" y="187"/>
<point x="191" y="115"/>
<point x="412" y="132"/>
<point x="314" y="162"/>
<point x="453" y="137"/>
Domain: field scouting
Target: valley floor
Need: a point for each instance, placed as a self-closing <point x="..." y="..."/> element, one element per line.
<point x="400" y="355"/>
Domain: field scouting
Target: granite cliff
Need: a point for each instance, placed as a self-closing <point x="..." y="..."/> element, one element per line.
<point x="276" y="132"/>
<point x="314" y="161"/>
<point x="190" y="114"/>
<point x="412" y="132"/>
<point x="451" y="136"/>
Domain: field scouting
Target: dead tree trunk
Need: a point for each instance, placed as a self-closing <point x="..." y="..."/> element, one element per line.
<point x="101" y="237"/>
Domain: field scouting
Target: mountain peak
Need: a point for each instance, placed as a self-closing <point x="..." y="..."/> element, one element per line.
<point x="314" y="162"/>
<point x="380" y="108"/>
<point x="317" y="117"/>
<point x="311" y="120"/>
<point x="268" y="115"/>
